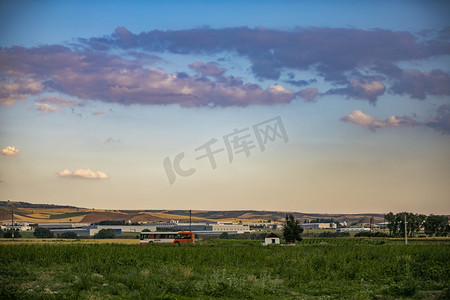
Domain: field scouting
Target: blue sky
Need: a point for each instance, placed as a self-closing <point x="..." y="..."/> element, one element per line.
<point x="96" y="95"/>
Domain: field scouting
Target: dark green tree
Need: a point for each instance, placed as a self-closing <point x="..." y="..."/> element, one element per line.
<point x="436" y="225"/>
<point x="42" y="233"/>
<point x="396" y="224"/>
<point x="224" y="236"/>
<point x="105" y="234"/>
<point x="390" y="218"/>
<point x="292" y="230"/>
<point x="8" y="234"/>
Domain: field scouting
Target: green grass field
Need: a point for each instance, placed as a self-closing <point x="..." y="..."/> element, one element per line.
<point x="314" y="269"/>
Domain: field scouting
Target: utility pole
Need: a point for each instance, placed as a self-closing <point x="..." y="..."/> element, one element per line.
<point x="12" y="223"/>
<point x="406" y="232"/>
<point x="190" y="220"/>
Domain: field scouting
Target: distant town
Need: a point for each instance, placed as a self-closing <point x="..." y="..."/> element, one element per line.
<point x="85" y="222"/>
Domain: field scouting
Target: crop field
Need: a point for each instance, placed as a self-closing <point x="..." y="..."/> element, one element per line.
<point x="313" y="269"/>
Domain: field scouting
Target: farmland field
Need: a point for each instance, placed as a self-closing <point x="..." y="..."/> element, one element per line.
<point x="314" y="269"/>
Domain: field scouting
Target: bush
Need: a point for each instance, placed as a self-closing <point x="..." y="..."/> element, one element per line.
<point x="105" y="234"/>
<point x="371" y="234"/>
<point x="43" y="233"/>
<point x="331" y="234"/>
<point x="68" y="235"/>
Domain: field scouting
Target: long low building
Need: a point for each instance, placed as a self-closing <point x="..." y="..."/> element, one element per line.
<point x="353" y="229"/>
<point x="63" y="225"/>
<point x="318" y="225"/>
<point x="199" y="228"/>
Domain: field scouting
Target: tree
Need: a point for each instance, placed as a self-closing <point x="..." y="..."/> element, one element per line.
<point x="390" y="218"/>
<point x="396" y="223"/>
<point x="68" y="235"/>
<point x="224" y="236"/>
<point x="8" y="233"/>
<point x="42" y="232"/>
<point x="105" y="234"/>
<point x="292" y="230"/>
<point x="436" y="225"/>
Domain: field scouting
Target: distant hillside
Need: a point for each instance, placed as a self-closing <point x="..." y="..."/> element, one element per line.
<point x="50" y="213"/>
<point x="19" y="204"/>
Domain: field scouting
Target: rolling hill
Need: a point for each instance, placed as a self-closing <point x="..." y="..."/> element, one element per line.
<point x="50" y="213"/>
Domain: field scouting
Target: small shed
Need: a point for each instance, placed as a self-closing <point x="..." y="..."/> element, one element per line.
<point x="272" y="239"/>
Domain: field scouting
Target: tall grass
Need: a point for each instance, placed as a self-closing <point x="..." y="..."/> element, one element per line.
<point x="243" y="269"/>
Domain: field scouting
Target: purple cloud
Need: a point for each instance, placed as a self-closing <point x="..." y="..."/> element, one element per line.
<point x="208" y="69"/>
<point x="361" y="89"/>
<point x="332" y="52"/>
<point x="441" y="122"/>
<point x="111" y="78"/>
<point x="418" y="84"/>
<point x="90" y="70"/>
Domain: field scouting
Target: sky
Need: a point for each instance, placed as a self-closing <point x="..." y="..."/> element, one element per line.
<point x="307" y="106"/>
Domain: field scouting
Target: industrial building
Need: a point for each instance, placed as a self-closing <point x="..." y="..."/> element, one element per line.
<point x="198" y="228"/>
<point x="319" y="225"/>
<point x="21" y="226"/>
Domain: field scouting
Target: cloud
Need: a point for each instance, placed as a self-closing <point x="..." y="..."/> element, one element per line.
<point x="298" y="83"/>
<point x="418" y="84"/>
<point x="20" y="88"/>
<point x="332" y="50"/>
<point x="44" y="107"/>
<point x="9" y="151"/>
<point x="370" y="123"/>
<point x="117" y="68"/>
<point x="308" y="94"/>
<point x="111" y="140"/>
<point x="441" y="122"/>
<point x="82" y="174"/>
<point x="209" y="69"/>
<point x="361" y="89"/>
<point x="111" y="78"/>
<point x="60" y="101"/>
<point x="98" y="112"/>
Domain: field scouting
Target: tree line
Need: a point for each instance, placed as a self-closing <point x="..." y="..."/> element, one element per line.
<point x="433" y="225"/>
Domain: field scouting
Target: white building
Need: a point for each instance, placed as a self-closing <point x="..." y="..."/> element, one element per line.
<point x="272" y="239"/>
<point x="238" y="228"/>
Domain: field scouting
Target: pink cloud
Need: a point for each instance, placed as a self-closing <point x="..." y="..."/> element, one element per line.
<point x="308" y="94"/>
<point x="10" y="151"/>
<point x="44" y="107"/>
<point x="18" y="89"/>
<point x="60" y="101"/>
<point x="82" y="174"/>
<point x="370" y="123"/>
